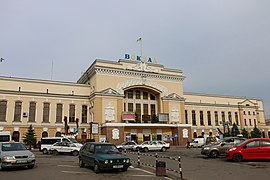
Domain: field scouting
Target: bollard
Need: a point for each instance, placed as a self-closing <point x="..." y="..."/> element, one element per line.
<point x="160" y="168"/>
<point x="125" y="151"/>
<point x="156" y="158"/>
<point x="139" y="161"/>
<point x="180" y="168"/>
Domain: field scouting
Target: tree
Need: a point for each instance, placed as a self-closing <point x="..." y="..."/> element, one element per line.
<point x="235" y="130"/>
<point x="256" y="133"/>
<point x="154" y="119"/>
<point x="245" y="133"/>
<point x="30" y="137"/>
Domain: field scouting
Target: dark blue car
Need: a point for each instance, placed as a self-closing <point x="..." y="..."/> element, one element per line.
<point x="102" y="156"/>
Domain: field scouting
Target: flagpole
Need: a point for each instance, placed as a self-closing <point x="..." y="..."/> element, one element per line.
<point x="140" y="41"/>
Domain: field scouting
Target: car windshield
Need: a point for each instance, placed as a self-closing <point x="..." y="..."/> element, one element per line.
<point x="73" y="140"/>
<point x="106" y="149"/>
<point x="13" y="147"/>
<point x="239" y="144"/>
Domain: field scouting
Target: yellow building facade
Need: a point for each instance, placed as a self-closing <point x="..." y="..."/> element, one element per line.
<point x="124" y="100"/>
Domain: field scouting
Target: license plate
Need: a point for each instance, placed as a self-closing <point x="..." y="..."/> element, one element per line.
<point x="118" y="166"/>
<point x="21" y="161"/>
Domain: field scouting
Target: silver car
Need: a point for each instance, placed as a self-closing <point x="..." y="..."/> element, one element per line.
<point x="15" y="154"/>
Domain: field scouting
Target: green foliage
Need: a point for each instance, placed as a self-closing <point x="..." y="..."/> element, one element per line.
<point x="256" y="133"/>
<point x="245" y="133"/>
<point x="235" y="130"/>
<point x="30" y="137"/>
<point x="154" y="119"/>
<point x="136" y="117"/>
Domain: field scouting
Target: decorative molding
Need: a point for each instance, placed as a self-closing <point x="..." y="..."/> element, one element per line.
<point x="142" y="67"/>
<point x="173" y="96"/>
<point x="109" y="112"/>
<point x="139" y="82"/>
<point x="175" y="115"/>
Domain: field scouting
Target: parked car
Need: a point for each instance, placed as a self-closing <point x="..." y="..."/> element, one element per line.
<point x="154" y="145"/>
<point x="251" y="149"/>
<point x="47" y="142"/>
<point x="130" y="145"/>
<point x="220" y="148"/>
<point x="102" y="156"/>
<point x="15" y="154"/>
<point x="197" y="142"/>
<point x="64" y="147"/>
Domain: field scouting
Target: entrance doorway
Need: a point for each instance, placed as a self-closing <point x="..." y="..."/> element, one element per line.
<point x="146" y="137"/>
<point x="16" y="136"/>
<point x="134" y="137"/>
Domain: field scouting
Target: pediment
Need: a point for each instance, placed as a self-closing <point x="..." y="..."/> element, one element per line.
<point x="247" y="102"/>
<point x="174" y="96"/>
<point x="110" y="92"/>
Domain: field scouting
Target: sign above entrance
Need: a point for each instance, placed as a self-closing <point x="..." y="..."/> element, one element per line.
<point x="140" y="58"/>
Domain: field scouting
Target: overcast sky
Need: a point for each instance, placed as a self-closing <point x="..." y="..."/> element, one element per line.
<point x="222" y="47"/>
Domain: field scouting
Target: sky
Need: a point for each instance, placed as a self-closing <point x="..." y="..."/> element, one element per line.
<point x="222" y="46"/>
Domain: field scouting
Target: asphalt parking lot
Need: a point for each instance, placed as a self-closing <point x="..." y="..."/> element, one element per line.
<point x="194" y="166"/>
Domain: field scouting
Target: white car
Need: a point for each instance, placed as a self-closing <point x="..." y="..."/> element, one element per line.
<point x="63" y="147"/>
<point x="154" y="146"/>
<point x="130" y="145"/>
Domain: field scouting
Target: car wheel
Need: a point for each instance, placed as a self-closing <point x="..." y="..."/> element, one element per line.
<point x="120" y="149"/>
<point x="96" y="168"/>
<point x="214" y="154"/>
<point x="145" y="149"/>
<point x="237" y="157"/>
<point x="81" y="163"/>
<point x="44" y="151"/>
<point x="31" y="166"/>
<point x="55" y="152"/>
<point x="163" y="149"/>
<point x="75" y="153"/>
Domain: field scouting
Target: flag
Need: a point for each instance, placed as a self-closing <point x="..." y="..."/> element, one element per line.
<point x="140" y="39"/>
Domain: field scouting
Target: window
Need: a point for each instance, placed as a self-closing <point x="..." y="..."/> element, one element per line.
<point x="248" y="112"/>
<point x="255" y="124"/>
<point x="250" y="122"/>
<point x="153" y="109"/>
<point x="253" y="144"/>
<point x="245" y="122"/>
<point x="186" y="116"/>
<point x="130" y="94"/>
<point x="18" y="111"/>
<point x="138" y="94"/>
<point x="59" y="113"/>
<point x="236" y="118"/>
<point x="130" y="107"/>
<point x="223" y="116"/>
<point x="193" y="117"/>
<point x="145" y="108"/>
<point x="201" y="118"/>
<point x="265" y="143"/>
<point x="71" y="113"/>
<point x="216" y="118"/>
<point x="145" y="95"/>
<point x="32" y="112"/>
<point x="244" y="112"/>
<point x="46" y="112"/>
<point x="209" y="118"/>
<point x="3" y="110"/>
<point x="138" y="111"/>
<point x="84" y="114"/>
<point x="152" y="97"/>
<point x="230" y="117"/>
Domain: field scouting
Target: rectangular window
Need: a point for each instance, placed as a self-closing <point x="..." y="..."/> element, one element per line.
<point x="250" y="122"/>
<point x="32" y="112"/>
<point x="223" y="116"/>
<point x="145" y="109"/>
<point x="72" y="113"/>
<point x="193" y="114"/>
<point x="245" y="122"/>
<point x="130" y="107"/>
<point x="125" y="107"/>
<point x="3" y="110"/>
<point x="138" y="111"/>
<point x="236" y="118"/>
<point x="59" y="113"/>
<point x="84" y="114"/>
<point x="216" y="118"/>
<point x="153" y="109"/>
<point x="209" y="118"/>
<point x="255" y="124"/>
<point x="138" y="94"/>
<point x="201" y="118"/>
<point x="130" y="94"/>
<point x="46" y="112"/>
<point x="18" y="111"/>
<point x="186" y="116"/>
<point x="145" y="95"/>
<point x="230" y="117"/>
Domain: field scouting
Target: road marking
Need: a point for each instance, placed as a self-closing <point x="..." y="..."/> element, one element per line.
<point x="151" y="174"/>
<point x="67" y="166"/>
<point x="73" y="172"/>
<point x="142" y="170"/>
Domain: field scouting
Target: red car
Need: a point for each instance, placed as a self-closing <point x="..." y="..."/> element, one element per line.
<point x="251" y="149"/>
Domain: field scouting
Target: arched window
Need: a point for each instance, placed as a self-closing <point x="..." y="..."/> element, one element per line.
<point x="58" y="134"/>
<point x="3" y="110"/>
<point x="16" y="136"/>
<point x="194" y="135"/>
<point x="44" y="134"/>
